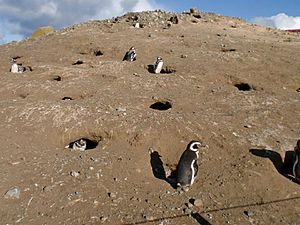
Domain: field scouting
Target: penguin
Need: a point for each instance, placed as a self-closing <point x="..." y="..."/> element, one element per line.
<point x="158" y="65"/>
<point x="296" y="161"/>
<point x="187" y="167"/>
<point x="79" y="145"/>
<point x="15" y="68"/>
<point x="130" y="55"/>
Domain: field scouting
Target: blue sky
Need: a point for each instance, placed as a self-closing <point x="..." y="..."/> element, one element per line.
<point x="246" y="9"/>
<point x="19" y="18"/>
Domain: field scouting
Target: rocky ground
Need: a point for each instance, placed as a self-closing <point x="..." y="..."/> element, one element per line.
<point x="233" y="85"/>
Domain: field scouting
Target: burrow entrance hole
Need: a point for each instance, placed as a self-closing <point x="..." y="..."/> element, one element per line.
<point x="90" y="144"/>
<point x="161" y="105"/>
<point x="67" y="98"/>
<point x="243" y="86"/>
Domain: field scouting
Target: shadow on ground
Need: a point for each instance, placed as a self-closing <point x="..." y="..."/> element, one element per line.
<point x="283" y="166"/>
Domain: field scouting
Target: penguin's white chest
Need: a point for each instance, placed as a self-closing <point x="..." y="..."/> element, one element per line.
<point x="14" y="68"/>
<point x="158" y="67"/>
<point x="295" y="165"/>
<point x="193" y="172"/>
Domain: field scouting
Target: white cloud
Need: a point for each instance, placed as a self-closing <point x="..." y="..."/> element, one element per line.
<point x="280" y="21"/>
<point x="22" y="17"/>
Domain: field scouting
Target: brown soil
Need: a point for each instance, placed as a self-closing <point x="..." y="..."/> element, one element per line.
<point x="213" y="57"/>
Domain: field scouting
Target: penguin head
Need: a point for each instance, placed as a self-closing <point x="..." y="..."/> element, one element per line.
<point x="132" y="48"/>
<point x="297" y="148"/>
<point x="195" y="146"/>
<point x="13" y="60"/>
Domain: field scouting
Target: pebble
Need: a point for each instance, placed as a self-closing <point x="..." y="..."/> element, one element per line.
<point x="13" y="193"/>
<point x="249" y="213"/>
<point x="187" y="211"/>
<point x="183" y="56"/>
<point x="74" y="174"/>
<point x="103" y="218"/>
<point x="198" y="203"/>
<point x="112" y="195"/>
<point x="148" y="217"/>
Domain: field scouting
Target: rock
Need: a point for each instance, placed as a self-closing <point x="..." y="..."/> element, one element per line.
<point x="183" y="56"/>
<point x="249" y="213"/>
<point x="112" y="195"/>
<point x="13" y="193"/>
<point x="137" y="25"/>
<point x="103" y="218"/>
<point x="148" y="217"/>
<point x="194" y="10"/>
<point x="121" y="109"/>
<point x="187" y="211"/>
<point x="42" y="31"/>
<point x="198" y="203"/>
<point x="74" y="174"/>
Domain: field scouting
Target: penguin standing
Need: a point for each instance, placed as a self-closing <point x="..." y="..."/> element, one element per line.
<point x="158" y="65"/>
<point x="296" y="161"/>
<point x="79" y="145"/>
<point x="15" y="68"/>
<point x="187" y="167"/>
<point x="130" y="55"/>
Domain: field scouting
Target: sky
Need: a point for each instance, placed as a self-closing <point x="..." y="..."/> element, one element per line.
<point x="19" y="18"/>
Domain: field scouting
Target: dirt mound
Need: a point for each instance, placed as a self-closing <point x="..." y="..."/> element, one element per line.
<point x="234" y="87"/>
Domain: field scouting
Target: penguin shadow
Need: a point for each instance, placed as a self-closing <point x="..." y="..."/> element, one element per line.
<point x="283" y="166"/>
<point x="200" y="219"/>
<point x="158" y="170"/>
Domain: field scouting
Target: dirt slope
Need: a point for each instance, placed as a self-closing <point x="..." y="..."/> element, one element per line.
<point x="213" y="56"/>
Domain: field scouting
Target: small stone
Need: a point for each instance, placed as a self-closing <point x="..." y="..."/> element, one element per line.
<point x="103" y="218"/>
<point x="137" y="25"/>
<point x="148" y="217"/>
<point x="194" y="10"/>
<point x="74" y="173"/>
<point x="249" y="213"/>
<point x="198" y="203"/>
<point x="112" y="195"/>
<point x="189" y="205"/>
<point x="183" y="56"/>
<point x="187" y="211"/>
<point x="121" y="109"/>
<point x="13" y="193"/>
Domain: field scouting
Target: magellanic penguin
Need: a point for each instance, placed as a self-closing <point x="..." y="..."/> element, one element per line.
<point x="158" y="65"/>
<point x="79" y="145"/>
<point x="187" y="167"/>
<point x="130" y="55"/>
<point x="15" y="68"/>
<point x="296" y="161"/>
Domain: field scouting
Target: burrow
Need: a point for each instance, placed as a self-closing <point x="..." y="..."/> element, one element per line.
<point x="164" y="70"/>
<point x="161" y="105"/>
<point x="89" y="143"/>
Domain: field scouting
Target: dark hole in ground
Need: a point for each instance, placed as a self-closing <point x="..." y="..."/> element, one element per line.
<point x="67" y="98"/>
<point x="243" y="87"/>
<point x="164" y="70"/>
<point x="97" y="52"/>
<point x="78" y="62"/>
<point x="228" y="50"/>
<point x="57" y="78"/>
<point x="89" y="144"/>
<point x="161" y="105"/>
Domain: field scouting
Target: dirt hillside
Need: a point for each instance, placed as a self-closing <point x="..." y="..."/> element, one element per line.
<point x="233" y="85"/>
